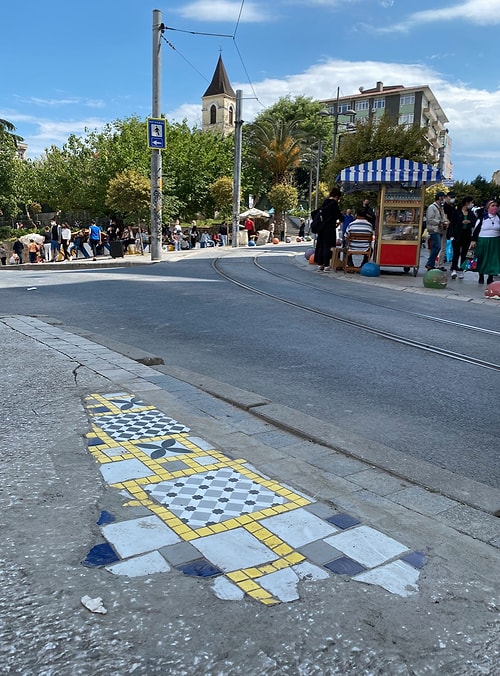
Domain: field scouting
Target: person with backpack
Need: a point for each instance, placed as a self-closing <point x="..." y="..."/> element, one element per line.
<point x="331" y="216"/>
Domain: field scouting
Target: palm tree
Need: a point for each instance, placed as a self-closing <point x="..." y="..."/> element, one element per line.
<point x="8" y="128"/>
<point x="276" y="146"/>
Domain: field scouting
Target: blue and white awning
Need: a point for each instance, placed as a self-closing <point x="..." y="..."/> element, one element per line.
<point x="392" y="170"/>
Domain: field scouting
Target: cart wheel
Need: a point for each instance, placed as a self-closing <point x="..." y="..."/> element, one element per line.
<point x="415" y="272"/>
<point x="406" y="269"/>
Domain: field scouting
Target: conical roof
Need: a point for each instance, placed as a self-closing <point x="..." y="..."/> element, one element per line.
<point x="220" y="82"/>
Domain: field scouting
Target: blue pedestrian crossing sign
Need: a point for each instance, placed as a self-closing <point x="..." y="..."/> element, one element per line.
<point x="156" y="133"/>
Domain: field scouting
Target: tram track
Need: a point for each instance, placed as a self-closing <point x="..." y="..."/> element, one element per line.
<point x="381" y="333"/>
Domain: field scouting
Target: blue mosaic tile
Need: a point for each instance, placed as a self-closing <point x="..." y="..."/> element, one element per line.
<point x="345" y="566"/>
<point x="95" y="441"/>
<point x="100" y="555"/>
<point x="343" y="520"/>
<point x="105" y="518"/>
<point x="101" y="409"/>
<point x="199" y="568"/>
<point x="415" y="559"/>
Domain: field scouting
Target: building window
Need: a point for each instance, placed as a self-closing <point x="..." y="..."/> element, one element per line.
<point x="231" y="115"/>
<point x="407" y="100"/>
<point x="406" y="119"/>
<point x="343" y="108"/>
<point x="378" y="104"/>
<point x="362" y="105"/>
<point x="213" y="113"/>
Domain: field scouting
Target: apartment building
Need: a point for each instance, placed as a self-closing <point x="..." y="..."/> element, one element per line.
<point x="404" y="105"/>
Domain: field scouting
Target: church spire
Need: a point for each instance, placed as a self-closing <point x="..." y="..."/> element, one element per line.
<point x="219" y="103"/>
<point x="220" y="82"/>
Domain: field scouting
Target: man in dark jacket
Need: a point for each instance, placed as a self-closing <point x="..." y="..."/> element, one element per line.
<point x="327" y="236"/>
<point x="17" y="248"/>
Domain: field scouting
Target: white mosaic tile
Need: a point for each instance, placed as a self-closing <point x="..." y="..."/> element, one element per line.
<point x="115" y="451"/>
<point x="396" y="577"/>
<point x="234" y="549"/>
<point x="226" y="590"/>
<point x="298" y="527"/>
<point x="282" y="584"/>
<point x="201" y="443"/>
<point x="366" y="545"/>
<point x="308" y="571"/>
<point x="124" y="470"/>
<point x="146" y="564"/>
<point x="138" y="536"/>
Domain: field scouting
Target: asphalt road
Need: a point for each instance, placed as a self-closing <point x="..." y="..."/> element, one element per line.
<point x="419" y="403"/>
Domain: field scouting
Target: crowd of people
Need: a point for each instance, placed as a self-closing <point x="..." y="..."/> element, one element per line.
<point x="472" y="231"/>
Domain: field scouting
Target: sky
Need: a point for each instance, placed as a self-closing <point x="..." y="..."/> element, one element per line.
<point x="72" y="66"/>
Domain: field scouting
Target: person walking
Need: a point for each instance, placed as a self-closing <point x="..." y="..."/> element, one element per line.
<point x="17" y="248"/>
<point x="486" y="243"/>
<point x="94" y="238"/>
<point x="436" y="222"/>
<point x="65" y="240"/>
<point x="461" y="235"/>
<point x="55" y="240"/>
<point x="3" y="254"/>
<point x="46" y="243"/>
<point x="327" y="237"/>
<point x="193" y="235"/>
<point x="33" y="249"/>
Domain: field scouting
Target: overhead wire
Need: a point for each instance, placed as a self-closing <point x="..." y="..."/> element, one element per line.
<point x="217" y="35"/>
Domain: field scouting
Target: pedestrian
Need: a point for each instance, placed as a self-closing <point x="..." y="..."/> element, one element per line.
<point x="461" y="235"/>
<point x="46" y="244"/>
<point x="55" y="240"/>
<point x="302" y="227"/>
<point x="17" y="248"/>
<point x="79" y="243"/>
<point x="65" y="240"/>
<point x="33" y="249"/>
<point x="327" y="237"/>
<point x="223" y="233"/>
<point x="193" y="235"/>
<point x="94" y="238"/>
<point x="3" y="254"/>
<point x="486" y="243"/>
<point x="436" y="222"/>
<point x="450" y="212"/>
<point x="370" y="214"/>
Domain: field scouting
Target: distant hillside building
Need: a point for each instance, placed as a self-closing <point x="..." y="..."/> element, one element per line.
<point x="406" y="106"/>
<point x="219" y="103"/>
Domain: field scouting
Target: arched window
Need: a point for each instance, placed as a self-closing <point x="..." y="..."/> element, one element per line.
<point x="231" y="115"/>
<point x="213" y="113"/>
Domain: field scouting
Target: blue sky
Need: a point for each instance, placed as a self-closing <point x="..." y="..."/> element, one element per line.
<point x="70" y="66"/>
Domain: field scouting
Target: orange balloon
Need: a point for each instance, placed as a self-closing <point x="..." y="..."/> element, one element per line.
<point x="311" y="260"/>
<point x="276" y="240"/>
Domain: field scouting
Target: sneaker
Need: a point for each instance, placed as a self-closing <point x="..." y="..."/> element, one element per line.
<point x="327" y="269"/>
<point x="441" y="267"/>
<point x="430" y="267"/>
<point x="460" y="275"/>
<point x="453" y="274"/>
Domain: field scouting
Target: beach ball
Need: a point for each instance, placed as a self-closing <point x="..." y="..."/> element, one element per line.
<point x="298" y="239"/>
<point x="435" y="279"/>
<point x="288" y="240"/>
<point x="311" y="259"/>
<point x="492" y="290"/>
<point x="276" y="240"/>
<point x="251" y="243"/>
<point x="370" y="269"/>
<point x="308" y="253"/>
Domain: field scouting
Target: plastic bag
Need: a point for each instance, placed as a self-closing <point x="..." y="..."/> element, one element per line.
<point x="469" y="264"/>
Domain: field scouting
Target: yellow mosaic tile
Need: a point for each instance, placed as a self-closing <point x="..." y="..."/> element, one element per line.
<point x="253" y="572"/>
<point x="237" y="575"/>
<point x="279" y="564"/>
<point x="248" y="586"/>
<point x="283" y="549"/>
<point x="261" y="594"/>
<point x="295" y="557"/>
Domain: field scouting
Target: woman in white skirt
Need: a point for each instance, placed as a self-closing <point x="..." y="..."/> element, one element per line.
<point x="486" y="242"/>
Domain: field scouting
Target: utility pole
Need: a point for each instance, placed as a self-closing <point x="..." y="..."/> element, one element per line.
<point x="237" y="168"/>
<point x="156" y="164"/>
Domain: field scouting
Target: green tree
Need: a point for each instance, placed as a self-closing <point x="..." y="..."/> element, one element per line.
<point x="8" y="171"/>
<point x="283" y="198"/>
<point x="275" y="146"/>
<point x="128" y="195"/>
<point x="373" y="139"/>
<point x="222" y="195"/>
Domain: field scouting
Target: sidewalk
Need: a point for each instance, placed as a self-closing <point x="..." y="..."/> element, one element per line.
<point x="162" y="475"/>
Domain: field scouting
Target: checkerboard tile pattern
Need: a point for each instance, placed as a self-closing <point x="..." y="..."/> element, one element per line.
<point x="217" y="517"/>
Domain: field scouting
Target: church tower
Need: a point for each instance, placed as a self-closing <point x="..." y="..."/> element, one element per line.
<point x="219" y="103"/>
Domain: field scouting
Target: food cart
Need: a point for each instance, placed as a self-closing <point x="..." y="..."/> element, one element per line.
<point x="401" y="185"/>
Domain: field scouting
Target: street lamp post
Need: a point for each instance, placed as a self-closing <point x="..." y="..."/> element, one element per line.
<point x="335" y="114"/>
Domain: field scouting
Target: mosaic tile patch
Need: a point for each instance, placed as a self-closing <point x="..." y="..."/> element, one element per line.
<point x="213" y="515"/>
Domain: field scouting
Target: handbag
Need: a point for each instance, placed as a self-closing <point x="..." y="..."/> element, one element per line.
<point x="469" y="264"/>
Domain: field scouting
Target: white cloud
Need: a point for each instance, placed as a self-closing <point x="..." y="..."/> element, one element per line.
<point x="69" y="101"/>
<point x="224" y="10"/>
<point x="479" y="12"/>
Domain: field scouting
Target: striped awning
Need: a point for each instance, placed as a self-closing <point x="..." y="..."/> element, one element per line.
<point x="392" y="170"/>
